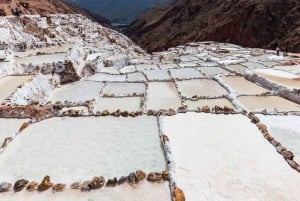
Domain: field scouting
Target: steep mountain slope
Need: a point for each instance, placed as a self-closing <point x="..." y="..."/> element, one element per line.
<point x="117" y="10"/>
<point x="48" y="7"/>
<point x="250" y="23"/>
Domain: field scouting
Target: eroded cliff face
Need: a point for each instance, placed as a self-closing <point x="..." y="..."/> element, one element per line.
<point x="249" y="23"/>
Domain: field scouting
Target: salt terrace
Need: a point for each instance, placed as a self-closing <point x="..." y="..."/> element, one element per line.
<point x="94" y="112"/>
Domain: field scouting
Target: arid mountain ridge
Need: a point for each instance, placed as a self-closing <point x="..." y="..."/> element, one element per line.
<point x="48" y="7"/>
<point x="252" y="23"/>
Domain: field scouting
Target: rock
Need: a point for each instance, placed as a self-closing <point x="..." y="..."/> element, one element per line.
<point x="275" y="143"/>
<point x="172" y="112"/>
<point x="228" y="110"/>
<point x="132" y="178"/>
<point x="97" y="182"/>
<point x="179" y="195"/>
<point x="76" y="185"/>
<point x="20" y="185"/>
<point x="268" y="137"/>
<point x="5" y="187"/>
<point x="85" y="187"/>
<point x="105" y="113"/>
<point x="288" y="155"/>
<point x="206" y="109"/>
<point x="57" y="106"/>
<point x="58" y="188"/>
<point x="112" y="182"/>
<point x="24" y="126"/>
<point x="293" y="164"/>
<point x="166" y="175"/>
<point x="122" y="180"/>
<point x="262" y="127"/>
<point x="6" y="142"/>
<point x="32" y="186"/>
<point x="151" y="113"/>
<point x="182" y="109"/>
<point x="125" y="114"/>
<point x="165" y="138"/>
<point x="280" y="149"/>
<point x="45" y="184"/>
<point x="254" y="119"/>
<point x="140" y="176"/>
<point x="132" y="114"/>
<point x="218" y="109"/>
<point x="155" y="177"/>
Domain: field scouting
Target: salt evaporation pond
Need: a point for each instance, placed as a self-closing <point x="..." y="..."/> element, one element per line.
<point x="295" y="69"/>
<point x="236" y="68"/>
<point x="74" y="149"/>
<point x="136" y="77"/>
<point x="286" y="130"/>
<point x="157" y="75"/>
<point x="211" y="71"/>
<point x="243" y="86"/>
<point x="77" y="91"/>
<point x="185" y="73"/>
<point x="162" y="95"/>
<point x="8" y="127"/>
<point x="104" y="77"/>
<point x="203" y="87"/>
<point x="40" y="59"/>
<point x="269" y="103"/>
<point x="194" y="105"/>
<point x="130" y="104"/>
<point x="225" y="158"/>
<point x="10" y="83"/>
<point x="124" y="89"/>
<point x="145" y="191"/>
<point x="280" y="77"/>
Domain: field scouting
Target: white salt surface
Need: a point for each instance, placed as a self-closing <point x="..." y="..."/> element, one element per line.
<point x="270" y="103"/>
<point x="124" y="89"/>
<point x="130" y="104"/>
<point x="280" y="77"/>
<point x="40" y="59"/>
<point x="75" y="149"/>
<point x="162" y="95"/>
<point x="110" y="70"/>
<point x="185" y="73"/>
<point x="128" y="69"/>
<point x="253" y="65"/>
<point x="10" y="83"/>
<point x="226" y="158"/>
<point x="243" y="86"/>
<point x="159" y="192"/>
<point x="295" y="69"/>
<point x="204" y="87"/>
<point x="77" y="91"/>
<point x="104" y="77"/>
<point x="142" y="67"/>
<point x="8" y="127"/>
<point x="136" y="77"/>
<point x="168" y="66"/>
<point x="286" y="130"/>
<point x="157" y="75"/>
<point x="236" y="68"/>
<point x="211" y="71"/>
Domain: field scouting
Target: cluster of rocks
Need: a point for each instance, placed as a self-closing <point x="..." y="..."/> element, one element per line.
<point x="36" y="113"/>
<point x="287" y="154"/>
<point x="133" y="179"/>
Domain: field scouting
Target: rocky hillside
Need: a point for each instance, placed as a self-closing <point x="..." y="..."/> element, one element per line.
<point x="117" y="10"/>
<point x="48" y="7"/>
<point x="250" y="23"/>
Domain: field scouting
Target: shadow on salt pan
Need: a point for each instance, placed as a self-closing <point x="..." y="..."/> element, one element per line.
<point x="286" y="130"/>
<point x="222" y="157"/>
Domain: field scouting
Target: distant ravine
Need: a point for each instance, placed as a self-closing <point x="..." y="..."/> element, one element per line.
<point x="252" y="23"/>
